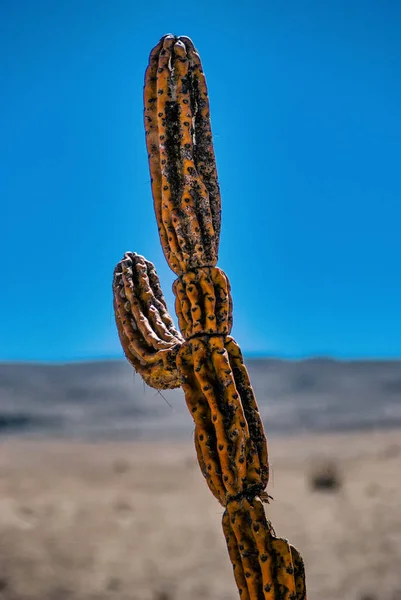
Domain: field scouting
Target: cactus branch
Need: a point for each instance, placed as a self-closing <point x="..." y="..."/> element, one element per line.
<point x="146" y="330"/>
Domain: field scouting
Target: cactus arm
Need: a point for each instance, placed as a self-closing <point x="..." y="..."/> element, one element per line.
<point x="146" y="330"/>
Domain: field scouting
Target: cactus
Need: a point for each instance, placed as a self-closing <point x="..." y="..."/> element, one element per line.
<point x="204" y="359"/>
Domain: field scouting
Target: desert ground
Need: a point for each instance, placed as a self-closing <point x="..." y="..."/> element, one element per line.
<point x="136" y="521"/>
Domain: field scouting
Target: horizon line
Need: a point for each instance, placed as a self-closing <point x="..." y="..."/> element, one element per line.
<point x="247" y="355"/>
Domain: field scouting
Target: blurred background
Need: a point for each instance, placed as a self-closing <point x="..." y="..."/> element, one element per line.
<point x="100" y="493"/>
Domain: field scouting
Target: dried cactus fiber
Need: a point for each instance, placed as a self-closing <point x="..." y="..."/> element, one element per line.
<point x="229" y="438"/>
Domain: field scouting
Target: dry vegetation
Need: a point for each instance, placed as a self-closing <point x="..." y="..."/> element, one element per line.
<point x="136" y="521"/>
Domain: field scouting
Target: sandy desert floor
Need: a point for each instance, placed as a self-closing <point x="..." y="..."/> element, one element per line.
<point x="137" y="522"/>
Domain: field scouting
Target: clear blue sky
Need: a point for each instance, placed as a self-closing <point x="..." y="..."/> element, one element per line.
<point x="306" y="115"/>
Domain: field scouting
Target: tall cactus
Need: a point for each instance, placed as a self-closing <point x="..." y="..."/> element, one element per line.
<point x="229" y="438"/>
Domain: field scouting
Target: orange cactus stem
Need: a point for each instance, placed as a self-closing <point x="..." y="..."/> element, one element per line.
<point x="181" y="159"/>
<point x="230" y="442"/>
<point x="146" y="330"/>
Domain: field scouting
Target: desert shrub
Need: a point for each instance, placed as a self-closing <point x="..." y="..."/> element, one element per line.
<point x="325" y="477"/>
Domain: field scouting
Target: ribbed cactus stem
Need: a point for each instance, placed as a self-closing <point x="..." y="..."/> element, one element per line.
<point x="230" y="442"/>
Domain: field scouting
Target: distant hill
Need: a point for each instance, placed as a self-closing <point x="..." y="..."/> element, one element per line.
<point x="107" y="400"/>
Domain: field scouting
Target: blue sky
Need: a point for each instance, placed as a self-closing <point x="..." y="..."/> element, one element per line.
<point x="305" y="103"/>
